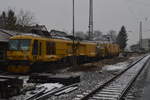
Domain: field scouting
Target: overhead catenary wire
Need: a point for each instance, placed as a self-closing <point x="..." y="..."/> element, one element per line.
<point x="133" y="10"/>
<point x="130" y="9"/>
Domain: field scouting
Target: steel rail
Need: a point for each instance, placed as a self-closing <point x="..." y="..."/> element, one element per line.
<point x="132" y="81"/>
<point x="88" y="95"/>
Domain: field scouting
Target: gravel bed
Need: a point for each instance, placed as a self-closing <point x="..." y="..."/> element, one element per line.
<point x="88" y="82"/>
<point x="89" y="79"/>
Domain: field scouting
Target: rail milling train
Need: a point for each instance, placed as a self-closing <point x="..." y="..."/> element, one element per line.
<point x="28" y="53"/>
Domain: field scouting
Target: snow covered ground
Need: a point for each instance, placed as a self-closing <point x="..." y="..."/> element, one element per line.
<point x="88" y="80"/>
<point x="115" y="67"/>
<point x="38" y="88"/>
<point x="119" y="66"/>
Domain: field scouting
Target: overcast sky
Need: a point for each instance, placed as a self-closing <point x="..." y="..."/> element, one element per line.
<point x="108" y="14"/>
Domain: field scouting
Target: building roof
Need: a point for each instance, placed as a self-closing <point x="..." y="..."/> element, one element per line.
<point x="5" y="35"/>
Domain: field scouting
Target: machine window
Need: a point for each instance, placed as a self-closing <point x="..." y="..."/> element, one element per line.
<point x="19" y="44"/>
<point x="13" y="44"/>
<point x="40" y="49"/>
<point x="35" y="47"/>
<point x="24" y="45"/>
<point x="50" y="48"/>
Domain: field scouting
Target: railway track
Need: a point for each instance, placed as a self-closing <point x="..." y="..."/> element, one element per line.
<point x="116" y="88"/>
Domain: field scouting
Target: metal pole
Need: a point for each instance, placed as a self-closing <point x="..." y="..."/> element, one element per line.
<point x="90" y="19"/>
<point x="140" y="35"/>
<point x="73" y="21"/>
<point x="73" y="30"/>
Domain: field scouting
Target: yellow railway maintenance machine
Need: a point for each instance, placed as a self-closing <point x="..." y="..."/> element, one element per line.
<point x="32" y="52"/>
<point x="28" y="52"/>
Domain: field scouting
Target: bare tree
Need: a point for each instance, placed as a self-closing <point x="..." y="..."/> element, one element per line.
<point x="25" y="18"/>
<point x="97" y="35"/>
<point x="113" y="35"/>
<point x="80" y="34"/>
<point x="3" y="19"/>
<point x="8" y="19"/>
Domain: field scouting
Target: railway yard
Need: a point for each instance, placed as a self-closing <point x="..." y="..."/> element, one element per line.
<point x="107" y="79"/>
<point x="41" y="67"/>
<point x="74" y="50"/>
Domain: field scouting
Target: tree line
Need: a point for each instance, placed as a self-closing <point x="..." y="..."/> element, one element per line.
<point x="24" y="20"/>
<point x="9" y="20"/>
<point x="121" y="39"/>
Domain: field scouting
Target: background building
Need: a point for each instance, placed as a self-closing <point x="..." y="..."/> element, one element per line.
<point x="4" y="37"/>
<point x="146" y="44"/>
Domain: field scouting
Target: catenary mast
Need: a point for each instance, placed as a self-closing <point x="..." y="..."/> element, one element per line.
<point x="90" y="19"/>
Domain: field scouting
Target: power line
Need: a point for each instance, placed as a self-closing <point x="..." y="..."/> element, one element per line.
<point x="130" y="9"/>
<point x="141" y="3"/>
